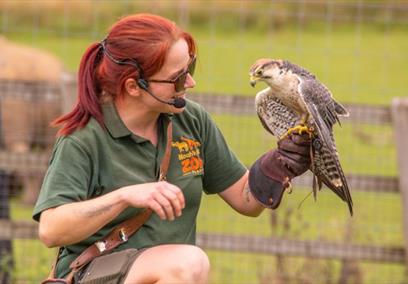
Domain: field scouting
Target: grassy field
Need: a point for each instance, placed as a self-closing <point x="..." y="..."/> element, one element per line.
<point x="359" y="66"/>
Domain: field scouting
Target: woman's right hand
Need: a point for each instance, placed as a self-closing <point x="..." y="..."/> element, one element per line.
<point x="165" y="199"/>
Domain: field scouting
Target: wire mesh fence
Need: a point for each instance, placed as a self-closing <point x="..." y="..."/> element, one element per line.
<point x="357" y="48"/>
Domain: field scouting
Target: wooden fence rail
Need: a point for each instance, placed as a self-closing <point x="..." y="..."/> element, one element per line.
<point x="251" y="244"/>
<point x="244" y="105"/>
<point x="36" y="163"/>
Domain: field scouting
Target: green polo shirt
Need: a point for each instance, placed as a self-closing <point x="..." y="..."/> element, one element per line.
<point x="94" y="161"/>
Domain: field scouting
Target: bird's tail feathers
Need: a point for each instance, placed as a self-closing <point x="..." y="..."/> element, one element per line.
<point x="332" y="175"/>
<point x="327" y="169"/>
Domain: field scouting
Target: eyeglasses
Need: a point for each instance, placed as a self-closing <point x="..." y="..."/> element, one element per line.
<point x="180" y="80"/>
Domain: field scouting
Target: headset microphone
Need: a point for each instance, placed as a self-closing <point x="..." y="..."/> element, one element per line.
<point x="176" y="102"/>
<point x="179" y="102"/>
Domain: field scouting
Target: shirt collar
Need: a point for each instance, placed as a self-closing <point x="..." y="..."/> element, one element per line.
<point x="113" y="122"/>
<point x="116" y="126"/>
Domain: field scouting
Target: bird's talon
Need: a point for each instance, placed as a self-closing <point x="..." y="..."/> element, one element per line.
<point x="288" y="185"/>
<point x="299" y="129"/>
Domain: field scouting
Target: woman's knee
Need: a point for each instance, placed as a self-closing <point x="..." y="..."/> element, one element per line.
<point x="170" y="264"/>
<point x="192" y="265"/>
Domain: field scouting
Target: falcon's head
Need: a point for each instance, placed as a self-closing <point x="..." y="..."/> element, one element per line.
<point x="266" y="70"/>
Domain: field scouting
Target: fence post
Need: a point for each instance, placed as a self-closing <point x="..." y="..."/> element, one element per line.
<point x="399" y="111"/>
<point x="6" y="261"/>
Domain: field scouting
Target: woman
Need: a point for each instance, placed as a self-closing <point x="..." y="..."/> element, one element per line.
<point x="105" y="164"/>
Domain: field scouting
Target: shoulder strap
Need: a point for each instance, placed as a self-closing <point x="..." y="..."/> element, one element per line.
<point x="164" y="166"/>
<point x="121" y="233"/>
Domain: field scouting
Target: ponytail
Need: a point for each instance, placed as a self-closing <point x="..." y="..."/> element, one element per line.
<point x="87" y="104"/>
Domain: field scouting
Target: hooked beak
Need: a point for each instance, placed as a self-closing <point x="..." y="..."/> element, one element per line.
<point x="253" y="79"/>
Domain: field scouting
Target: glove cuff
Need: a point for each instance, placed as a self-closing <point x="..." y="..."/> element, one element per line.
<point x="263" y="188"/>
<point x="273" y="166"/>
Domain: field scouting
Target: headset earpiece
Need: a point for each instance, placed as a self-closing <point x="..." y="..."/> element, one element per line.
<point x="142" y="83"/>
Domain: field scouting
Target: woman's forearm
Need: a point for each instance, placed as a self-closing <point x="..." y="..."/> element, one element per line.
<point x="73" y="222"/>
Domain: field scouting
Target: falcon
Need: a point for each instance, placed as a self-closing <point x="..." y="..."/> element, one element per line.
<point x="296" y="101"/>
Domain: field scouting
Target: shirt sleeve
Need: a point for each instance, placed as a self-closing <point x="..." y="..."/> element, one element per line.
<point x="221" y="166"/>
<point x="68" y="176"/>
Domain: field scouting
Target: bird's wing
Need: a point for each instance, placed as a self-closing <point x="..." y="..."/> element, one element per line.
<point x="275" y="117"/>
<point x="298" y="70"/>
<point x="326" y="166"/>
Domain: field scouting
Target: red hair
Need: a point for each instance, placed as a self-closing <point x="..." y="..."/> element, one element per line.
<point x="145" y="38"/>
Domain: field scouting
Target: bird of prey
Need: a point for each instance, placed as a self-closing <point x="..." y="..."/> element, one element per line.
<point x="296" y="101"/>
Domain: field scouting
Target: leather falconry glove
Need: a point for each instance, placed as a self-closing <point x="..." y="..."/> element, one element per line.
<point x="271" y="174"/>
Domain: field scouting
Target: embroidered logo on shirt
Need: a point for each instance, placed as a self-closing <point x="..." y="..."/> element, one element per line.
<point x="189" y="156"/>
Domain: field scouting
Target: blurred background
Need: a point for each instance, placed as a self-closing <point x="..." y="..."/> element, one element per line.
<point x="358" y="49"/>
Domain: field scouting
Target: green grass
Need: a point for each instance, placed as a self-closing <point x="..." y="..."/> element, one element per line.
<point x="325" y="219"/>
<point x="32" y="259"/>
<point x="368" y="69"/>
<point x="265" y="269"/>
<point x="358" y="66"/>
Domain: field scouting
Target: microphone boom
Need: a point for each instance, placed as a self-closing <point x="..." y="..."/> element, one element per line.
<point x="177" y="102"/>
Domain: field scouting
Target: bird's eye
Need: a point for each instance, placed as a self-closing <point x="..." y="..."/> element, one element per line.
<point x="259" y="72"/>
